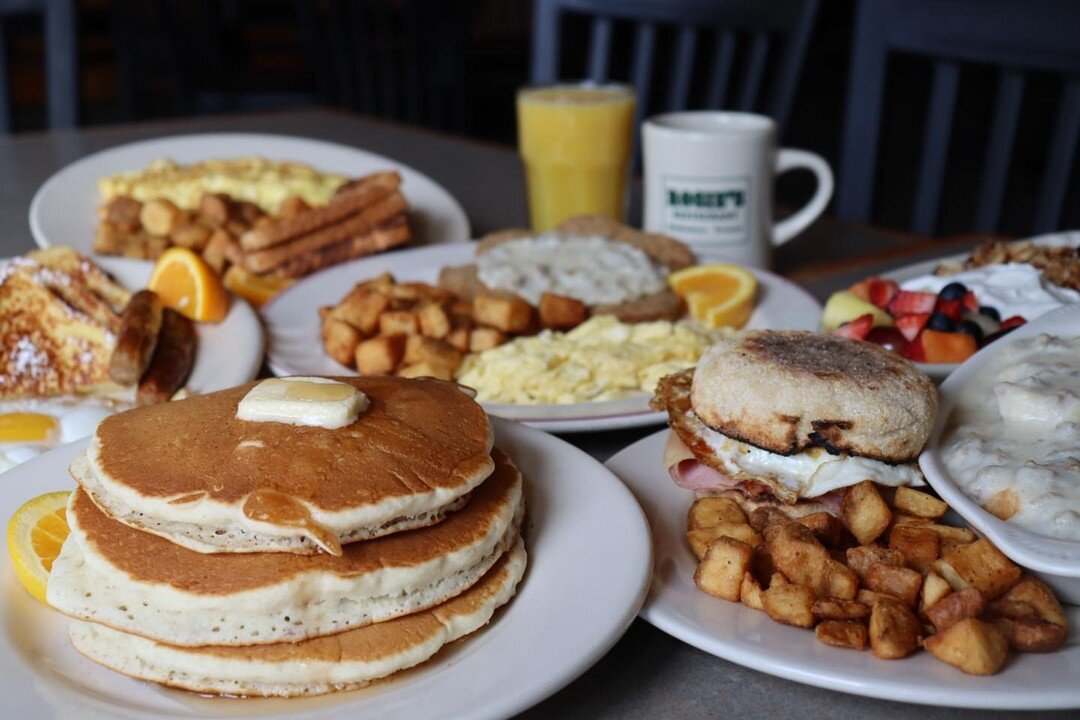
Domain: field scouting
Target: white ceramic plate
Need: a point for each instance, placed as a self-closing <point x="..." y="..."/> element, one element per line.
<point x="295" y="348"/>
<point x="748" y="637"/>
<point x="939" y="371"/>
<point x="228" y="353"/>
<point x="1057" y="560"/>
<point x="589" y="562"/>
<point x="64" y="209"/>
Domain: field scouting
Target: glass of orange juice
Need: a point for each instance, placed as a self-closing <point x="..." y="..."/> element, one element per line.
<point x="575" y="141"/>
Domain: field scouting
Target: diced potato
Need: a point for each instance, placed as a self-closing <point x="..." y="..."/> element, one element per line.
<point x="894" y="629"/>
<point x="711" y="511"/>
<point x="340" y="340"/>
<point x="485" y="338"/>
<point x="953" y="535"/>
<point x="292" y="206"/>
<point x="955" y="607"/>
<point x="721" y="571"/>
<point x="215" y="251"/>
<point x="161" y="217"/>
<point x="826" y="527"/>
<point x="561" y="313"/>
<point x="434" y="322"/>
<point x="750" y="592"/>
<point x="788" y="603"/>
<point x="439" y="372"/>
<point x="903" y="519"/>
<point x="860" y="558"/>
<point x="738" y="531"/>
<point x="1036" y="594"/>
<point x="839" y="581"/>
<point x="766" y="516"/>
<point x="122" y="212"/>
<point x="974" y="646"/>
<point x="842" y="633"/>
<point x="380" y="355"/>
<point x="934" y="589"/>
<point x="870" y="597"/>
<point x="798" y="554"/>
<point x="920" y="546"/>
<point x="380" y="283"/>
<point x="1003" y="504"/>
<point x="837" y="609"/>
<point x="421" y="349"/>
<point x="363" y="310"/>
<point x="194" y="236"/>
<point x="902" y="583"/>
<point x="865" y="512"/>
<point x="215" y="208"/>
<point x="1029" y="634"/>
<point x="982" y="565"/>
<point x="916" y="502"/>
<point x="399" y="322"/>
<point x="502" y="310"/>
<point x="459" y="338"/>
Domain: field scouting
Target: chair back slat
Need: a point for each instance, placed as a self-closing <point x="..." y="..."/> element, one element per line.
<point x="682" y="68"/>
<point x="1010" y="92"/>
<point x="1059" y="162"/>
<point x="935" y="145"/>
<point x="755" y="70"/>
<point x="641" y="67"/>
<point x="780" y="26"/>
<point x="721" y="69"/>
<point x="599" y="49"/>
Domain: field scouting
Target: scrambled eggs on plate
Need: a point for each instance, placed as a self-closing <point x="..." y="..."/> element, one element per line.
<point x="601" y="359"/>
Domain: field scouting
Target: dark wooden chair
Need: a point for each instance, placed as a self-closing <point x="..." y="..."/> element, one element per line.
<point x="61" y="60"/>
<point x="1011" y="37"/>
<point x="707" y="42"/>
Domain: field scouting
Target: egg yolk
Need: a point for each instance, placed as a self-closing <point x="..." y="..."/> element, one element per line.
<point x="27" y="427"/>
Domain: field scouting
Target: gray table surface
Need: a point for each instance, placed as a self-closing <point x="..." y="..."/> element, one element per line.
<point x="648" y="674"/>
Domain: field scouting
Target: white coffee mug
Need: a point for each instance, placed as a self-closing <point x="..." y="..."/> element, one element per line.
<point x="709" y="182"/>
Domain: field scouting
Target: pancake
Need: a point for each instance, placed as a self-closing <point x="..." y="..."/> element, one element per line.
<point x="115" y="575"/>
<point x="338" y="662"/>
<point x="191" y="472"/>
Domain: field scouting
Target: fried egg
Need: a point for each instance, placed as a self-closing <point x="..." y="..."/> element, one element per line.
<point x="30" y="427"/>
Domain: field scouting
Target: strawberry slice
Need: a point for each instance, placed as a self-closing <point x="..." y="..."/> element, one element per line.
<point x="1011" y="322"/>
<point x="946" y="347"/>
<point x="971" y="303"/>
<point x="861" y="289"/>
<point x="911" y="325"/>
<point x="883" y="291"/>
<point x="856" y="329"/>
<point x="914" y="351"/>
<point x="954" y="309"/>
<point x="909" y="302"/>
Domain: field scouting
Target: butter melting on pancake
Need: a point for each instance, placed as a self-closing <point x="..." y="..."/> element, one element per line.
<point x="420" y="445"/>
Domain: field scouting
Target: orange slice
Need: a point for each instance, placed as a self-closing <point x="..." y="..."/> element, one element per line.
<point x="718" y="295"/>
<point x="35" y="535"/>
<point x="256" y="289"/>
<point x="188" y="285"/>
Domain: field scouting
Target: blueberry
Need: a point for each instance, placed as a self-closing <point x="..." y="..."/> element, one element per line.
<point x="990" y="312"/>
<point x="941" y="322"/>
<point x="971" y="328"/>
<point x="953" y="291"/>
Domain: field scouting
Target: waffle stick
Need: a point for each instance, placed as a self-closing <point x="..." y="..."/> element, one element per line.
<point x="354" y="198"/>
<point x="351" y="226"/>
<point x="391" y="233"/>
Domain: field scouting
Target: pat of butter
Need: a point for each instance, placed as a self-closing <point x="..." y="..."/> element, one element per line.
<point x="312" y="401"/>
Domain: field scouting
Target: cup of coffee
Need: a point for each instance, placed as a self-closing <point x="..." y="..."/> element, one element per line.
<point x="709" y="183"/>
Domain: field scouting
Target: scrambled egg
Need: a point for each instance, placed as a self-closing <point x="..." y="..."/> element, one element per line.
<point x="601" y="359"/>
<point x="264" y="182"/>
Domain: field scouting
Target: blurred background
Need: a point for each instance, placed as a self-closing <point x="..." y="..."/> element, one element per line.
<point x="991" y="128"/>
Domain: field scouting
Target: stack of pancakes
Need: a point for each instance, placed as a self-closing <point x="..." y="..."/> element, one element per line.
<point x="260" y="558"/>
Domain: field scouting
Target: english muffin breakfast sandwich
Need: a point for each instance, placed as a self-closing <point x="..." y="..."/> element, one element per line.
<point x="792" y="419"/>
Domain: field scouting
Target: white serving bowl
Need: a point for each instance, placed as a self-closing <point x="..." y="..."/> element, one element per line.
<point x="1056" y="562"/>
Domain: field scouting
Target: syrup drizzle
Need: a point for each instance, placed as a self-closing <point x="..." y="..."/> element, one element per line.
<point x="278" y="508"/>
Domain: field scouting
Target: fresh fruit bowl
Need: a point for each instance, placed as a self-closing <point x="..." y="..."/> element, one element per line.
<point x="935" y="330"/>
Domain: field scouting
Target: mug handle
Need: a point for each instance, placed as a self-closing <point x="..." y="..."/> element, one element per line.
<point x="788" y="159"/>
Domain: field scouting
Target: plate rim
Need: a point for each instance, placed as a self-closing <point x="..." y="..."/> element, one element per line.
<point x="896" y="690"/>
<point x="460" y="219"/>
